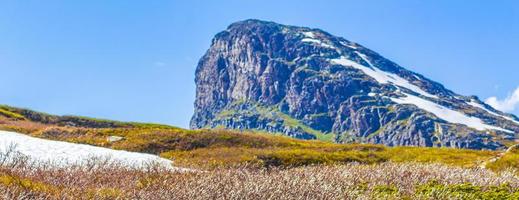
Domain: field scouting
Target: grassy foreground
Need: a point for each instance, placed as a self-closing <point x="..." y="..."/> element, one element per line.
<point x="347" y="181"/>
<point x="234" y="165"/>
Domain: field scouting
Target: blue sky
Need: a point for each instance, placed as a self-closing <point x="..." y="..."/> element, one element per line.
<point x="135" y="60"/>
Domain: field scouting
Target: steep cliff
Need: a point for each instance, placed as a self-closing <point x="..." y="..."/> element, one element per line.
<point x="309" y="84"/>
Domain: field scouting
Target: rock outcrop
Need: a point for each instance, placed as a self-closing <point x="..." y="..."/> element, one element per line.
<point x="309" y="84"/>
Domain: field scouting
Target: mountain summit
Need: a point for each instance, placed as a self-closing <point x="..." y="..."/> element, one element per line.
<point x="309" y="84"/>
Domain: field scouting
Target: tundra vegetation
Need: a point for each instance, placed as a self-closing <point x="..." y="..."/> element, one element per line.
<point x="235" y="165"/>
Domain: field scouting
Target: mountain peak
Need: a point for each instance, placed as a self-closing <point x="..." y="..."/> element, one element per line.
<point x="252" y="22"/>
<point x="309" y="84"/>
<point x="256" y="26"/>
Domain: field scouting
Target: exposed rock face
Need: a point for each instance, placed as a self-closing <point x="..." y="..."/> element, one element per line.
<point x="309" y="84"/>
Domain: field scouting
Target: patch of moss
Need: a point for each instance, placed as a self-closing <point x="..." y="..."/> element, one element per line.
<point x="449" y="156"/>
<point x="289" y="121"/>
<point x="434" y="190"/>
<point x="226" y="113"/>
<point x="26" y="184"/>
<point x="10" y="114"/>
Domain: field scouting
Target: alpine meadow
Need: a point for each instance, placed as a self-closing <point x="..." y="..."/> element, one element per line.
<point x="95" y="103"/>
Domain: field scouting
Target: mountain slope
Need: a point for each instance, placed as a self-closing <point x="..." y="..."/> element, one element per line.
<point x="309" y="84"/>
<point x="228" y="155"/>
<point x="205" y="149"/>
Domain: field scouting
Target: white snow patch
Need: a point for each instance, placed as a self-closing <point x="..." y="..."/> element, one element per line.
<point x="371" y="94"/>
<point x="381" y="76"/>
<point x="309" y="34"/>
<point x="62" y="154"/>
<point x="310" y="37"/>
<point x="319" y="42"/>
<point x="447" y="114"/>
<point x="511" y="119"/>
<point x="348" y="45"/>
<point x="365" y="58"/>
<point x="478" y="105"/>
<point x="311" y="40"/>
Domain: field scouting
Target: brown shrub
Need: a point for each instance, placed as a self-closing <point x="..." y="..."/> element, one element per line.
<point x="348" y="181"/>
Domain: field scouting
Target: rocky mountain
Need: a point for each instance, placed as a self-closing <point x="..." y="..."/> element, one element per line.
<point x="309" y="84"/>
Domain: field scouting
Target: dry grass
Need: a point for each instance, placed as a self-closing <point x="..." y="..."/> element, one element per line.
<point x="247" y="166"/>
<point x="21" y="178"/>
<point x="349" y="181"/>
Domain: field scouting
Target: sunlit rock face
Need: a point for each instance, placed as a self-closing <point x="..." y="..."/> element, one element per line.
<point x="309" y="84"/>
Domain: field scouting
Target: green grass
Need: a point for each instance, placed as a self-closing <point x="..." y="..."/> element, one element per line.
<point x="10" y="114"/>
<point x="510" y="160"/>
<point x="290" y="121"/>
<point x="434" y="190"/>
<point x="226" y="113"/>
<point x="218" y="147"/>
<point x="273" y="112"/>
<point x="450" y="156"/>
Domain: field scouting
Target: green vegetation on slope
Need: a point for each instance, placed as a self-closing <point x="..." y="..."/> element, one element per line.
<point x="509" y="160"/>
<point x="10" y="114"/>
<point x="224" y="148"/>
<point x="273" y="113"/>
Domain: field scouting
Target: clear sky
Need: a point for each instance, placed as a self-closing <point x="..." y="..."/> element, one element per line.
<point x="135" y="60"/>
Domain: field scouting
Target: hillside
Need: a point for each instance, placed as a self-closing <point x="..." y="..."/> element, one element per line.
<point x="247" y="165"/>
<point x="309" y="84"/>
<point x="224" y="148"/>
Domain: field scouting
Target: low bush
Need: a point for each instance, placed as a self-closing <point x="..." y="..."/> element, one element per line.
<point x="435" y="190"/>
<point x="345" y="181"/>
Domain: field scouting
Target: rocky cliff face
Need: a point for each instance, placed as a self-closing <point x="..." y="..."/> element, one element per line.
<point x="309" y="84"/>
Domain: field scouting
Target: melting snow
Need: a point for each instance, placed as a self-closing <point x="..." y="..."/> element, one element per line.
<point x="311" y="40"/>
<point x="62" y="154"/>
<point x="309" y="34"/>
<point x="381" y="76"/>
<point x="511" y="119"/>
<point x="319" y="42"/>
<point x="348" y="45"/>
<point x="310" y="37"/>
<point x="447" y="114"/>
<point x="478" y="105"/>
<point x="365" y="58"/>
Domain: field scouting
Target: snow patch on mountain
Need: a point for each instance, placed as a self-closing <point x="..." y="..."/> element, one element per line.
<point x="348" y="45"/>
<point x="477" y="105"/>
<point x="62" y="154"/>
<point x="309" y="34"/>
<point x="379" y="75"/>
<point x="310" y="38"/>
<point x="365" y="58"/>
<point x="510" y="119"/>
<point x="318" y="42"/>
<point x="446" y="114"/>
